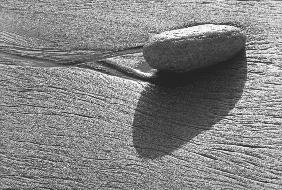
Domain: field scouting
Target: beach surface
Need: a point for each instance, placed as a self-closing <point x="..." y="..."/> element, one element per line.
<point x="71" y="121"/>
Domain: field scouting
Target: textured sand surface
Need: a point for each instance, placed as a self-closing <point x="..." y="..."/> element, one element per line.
<point x="77" y="128"/>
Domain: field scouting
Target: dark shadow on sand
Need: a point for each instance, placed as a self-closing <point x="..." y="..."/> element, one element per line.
<point x="179" y="107"/>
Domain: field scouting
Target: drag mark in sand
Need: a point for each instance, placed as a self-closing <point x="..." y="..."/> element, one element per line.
<point x="16" y="50"/>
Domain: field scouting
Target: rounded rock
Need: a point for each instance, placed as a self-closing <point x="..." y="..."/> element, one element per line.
<point x="194" y="47"/>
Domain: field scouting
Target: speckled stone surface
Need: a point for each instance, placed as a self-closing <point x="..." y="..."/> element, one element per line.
<point x="193" y="47"/>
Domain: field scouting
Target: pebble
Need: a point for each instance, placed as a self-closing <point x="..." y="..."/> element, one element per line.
<point x="194" y="47"/>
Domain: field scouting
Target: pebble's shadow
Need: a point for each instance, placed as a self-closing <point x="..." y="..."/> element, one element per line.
<point x="178" y="108"/>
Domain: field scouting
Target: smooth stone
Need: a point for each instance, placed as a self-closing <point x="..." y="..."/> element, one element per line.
<point x="194" y="47"/>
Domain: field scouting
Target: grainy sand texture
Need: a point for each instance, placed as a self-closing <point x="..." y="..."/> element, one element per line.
<point x="71" y="118"/>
